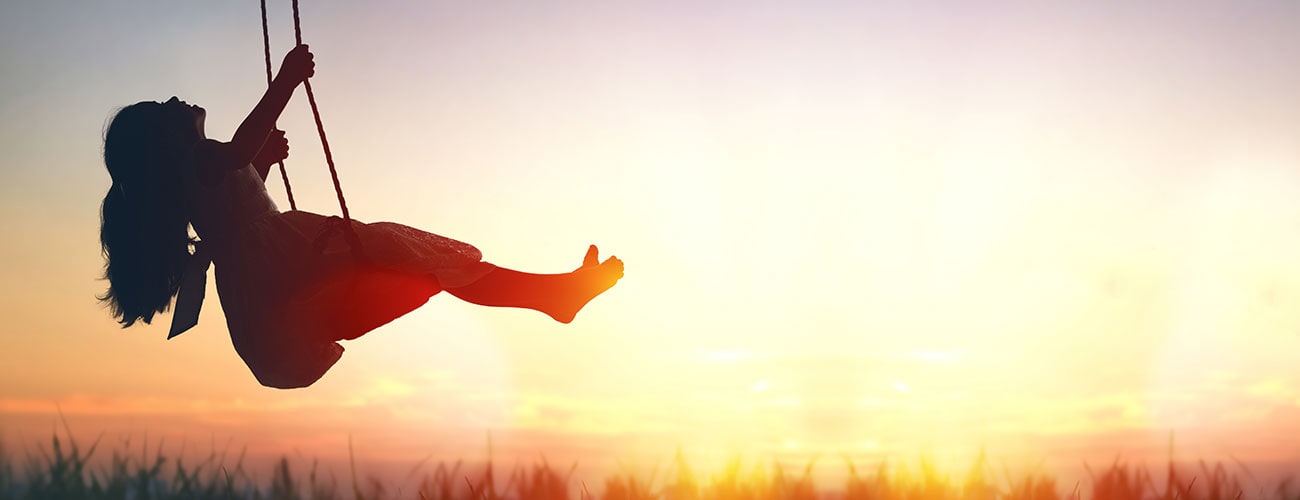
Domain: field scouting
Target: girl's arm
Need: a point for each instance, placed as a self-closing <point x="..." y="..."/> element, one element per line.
<point x="275" y="149"/>
<point x="252" y="133"/>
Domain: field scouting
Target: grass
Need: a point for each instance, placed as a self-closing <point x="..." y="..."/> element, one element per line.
<point x="63" y="471"/>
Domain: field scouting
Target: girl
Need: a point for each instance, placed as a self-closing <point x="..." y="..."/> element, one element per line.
<point x="290" y="286"/>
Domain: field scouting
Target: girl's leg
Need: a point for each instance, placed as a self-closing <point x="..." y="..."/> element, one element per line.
<point x="350" y="305"/>
<point x="559" y="295"/>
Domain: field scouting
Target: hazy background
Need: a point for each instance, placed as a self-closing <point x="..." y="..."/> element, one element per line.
<point x="880" y="229"/>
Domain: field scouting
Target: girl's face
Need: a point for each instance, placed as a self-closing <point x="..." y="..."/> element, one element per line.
<point x="189" y="110"/>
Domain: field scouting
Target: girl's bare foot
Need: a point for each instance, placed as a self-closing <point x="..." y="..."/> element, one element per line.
<point x="584" y="284"/>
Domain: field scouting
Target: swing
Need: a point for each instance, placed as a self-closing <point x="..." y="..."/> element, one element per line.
<point x="371" y="297"/>
<point x="350" y="302"/>
<point x="348" y="233"/>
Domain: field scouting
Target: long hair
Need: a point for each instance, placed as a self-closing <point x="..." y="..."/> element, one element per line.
<point x="144" y="224"/>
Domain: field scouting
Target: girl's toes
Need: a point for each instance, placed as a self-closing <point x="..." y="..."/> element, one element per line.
<point x="614" y="264"/>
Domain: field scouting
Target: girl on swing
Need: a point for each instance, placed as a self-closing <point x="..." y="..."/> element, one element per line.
<point x="291" y="283"/>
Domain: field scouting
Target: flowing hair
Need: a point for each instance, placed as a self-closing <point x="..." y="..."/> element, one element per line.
<point x="144" y="224"/>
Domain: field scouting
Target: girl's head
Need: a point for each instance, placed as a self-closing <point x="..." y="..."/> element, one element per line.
<point x="144" y="230"/>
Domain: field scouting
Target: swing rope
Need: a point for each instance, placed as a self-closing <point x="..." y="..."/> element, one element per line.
<point x="353" y="241"/>
<point x="320" y="128"/>
<point x="266" y="46"/>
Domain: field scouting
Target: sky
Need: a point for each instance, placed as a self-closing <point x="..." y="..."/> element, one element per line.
<point x="1055" y="231"/>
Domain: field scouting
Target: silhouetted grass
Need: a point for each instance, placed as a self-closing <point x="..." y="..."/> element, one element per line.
<point x="63" y="472"/>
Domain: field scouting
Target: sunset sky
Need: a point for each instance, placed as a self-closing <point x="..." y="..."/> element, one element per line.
<point x="877" y="229"/>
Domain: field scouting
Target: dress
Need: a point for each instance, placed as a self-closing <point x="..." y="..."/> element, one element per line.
<point x="290" y="285"/>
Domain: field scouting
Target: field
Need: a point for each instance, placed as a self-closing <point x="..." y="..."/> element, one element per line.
<point x="64" y="471"/>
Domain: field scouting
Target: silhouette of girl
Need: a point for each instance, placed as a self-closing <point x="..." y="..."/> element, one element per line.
<point x="289" y="285"/>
